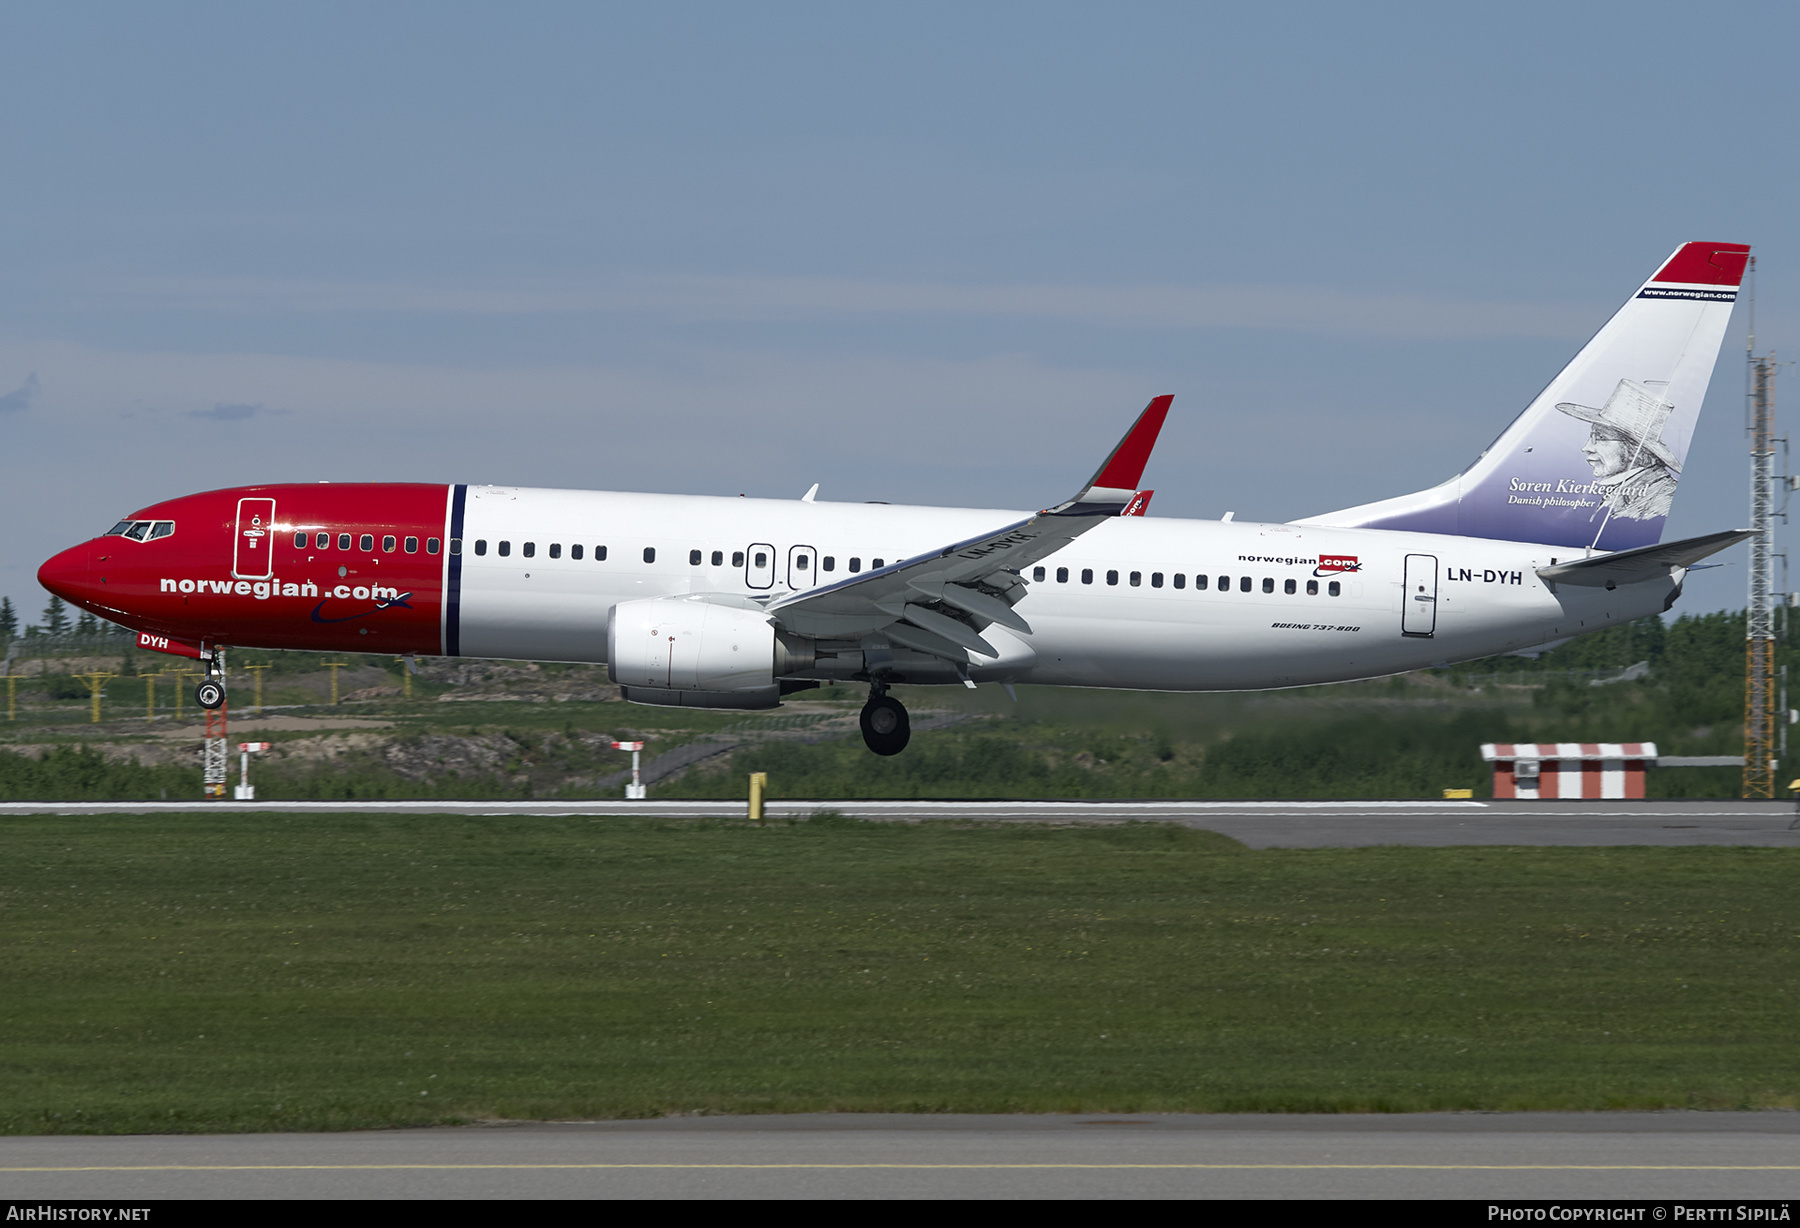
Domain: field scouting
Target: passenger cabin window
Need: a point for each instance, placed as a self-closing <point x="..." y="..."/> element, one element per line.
<point x="343" y="541"/>
<point x="300" y="540"/>
<point x="1268" y="584"/>
<point x="599" y="554"/>
<point x="388" y="543"/>
<point x="366" y="543"/>
<point x="855" y="563"/>
<point x="575" y="552"/>
<point x="759" y="559"/>
<point x="322" y="541"/>
<point x="1112" y="577"/>
<point x="1087" y="575"/>
<point x="1334" y="589"/>
<point x="1062" y="575"/>
<point x="693" y="558"/>
<point x="737" y="558"/>
<point x="1312" y="588"/>
<point x="1244" y="583"/>
<point x="1180" y="580"/>
<point x="1037" y="573"/>
<point x="1200" y="582"/>
<point x="529" y="550"/>
<point x="1287" y="586"/>
<point x="1137" y="579"/>
<point x="829" y="563"/>
<point x="432" y="545"/>
<point x="505" y="549"/>
<point x="556" y="550"/>
<point x="718" y="559"/>
<point x="799" y="562"/>
<point x="455" y="545"/>
<point x="649" y="554"/>
<point x="412" y="545"/>
<point x="481" y="545"/>
<point x="1156" y="579"/>
<point x="877" y="564"/>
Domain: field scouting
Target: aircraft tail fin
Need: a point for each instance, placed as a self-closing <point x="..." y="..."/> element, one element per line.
<point x="1595" y="459"/>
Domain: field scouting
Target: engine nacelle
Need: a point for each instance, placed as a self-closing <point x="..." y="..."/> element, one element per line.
<point x="700" y="652"/>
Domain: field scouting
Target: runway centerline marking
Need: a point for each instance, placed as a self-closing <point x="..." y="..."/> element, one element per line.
<point x="1514" y="1168"/>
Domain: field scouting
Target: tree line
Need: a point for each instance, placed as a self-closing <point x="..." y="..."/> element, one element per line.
<point x="54" y="623"/>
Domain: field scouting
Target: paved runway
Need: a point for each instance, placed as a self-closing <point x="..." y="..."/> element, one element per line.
<point x="1526" y="1155"/>
<point x="1257" y="824"/>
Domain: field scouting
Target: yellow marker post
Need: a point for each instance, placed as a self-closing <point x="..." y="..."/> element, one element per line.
<point x="259" y="673"/>
<point x="179" y="687"/>
<point x="758" y="782"/>
<point x="150" y="697"/>
<point x="334" y="667"/>
<point x="174" y="676"/>
<point x="96" y="682"/>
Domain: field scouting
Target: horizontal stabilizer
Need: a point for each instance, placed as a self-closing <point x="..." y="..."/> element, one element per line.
<point x="1644" y="563"/>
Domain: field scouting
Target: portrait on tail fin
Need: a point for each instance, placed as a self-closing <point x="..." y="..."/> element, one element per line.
<point x="1625" y="449"/>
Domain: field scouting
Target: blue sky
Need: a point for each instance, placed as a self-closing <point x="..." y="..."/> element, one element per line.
<point x="922" y="253"/>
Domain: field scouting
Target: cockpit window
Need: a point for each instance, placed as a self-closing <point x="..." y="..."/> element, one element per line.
<point x="141" y="530"/>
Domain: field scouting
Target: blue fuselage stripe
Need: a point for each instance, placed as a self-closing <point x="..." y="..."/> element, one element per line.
<point x="453" y="593"/>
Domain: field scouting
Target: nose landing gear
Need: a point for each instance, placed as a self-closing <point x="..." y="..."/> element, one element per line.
<point x="210" y="694"/>
<point x="885" y="727"/>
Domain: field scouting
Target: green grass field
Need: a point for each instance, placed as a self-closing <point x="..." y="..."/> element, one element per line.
<point x="228" y="972"/>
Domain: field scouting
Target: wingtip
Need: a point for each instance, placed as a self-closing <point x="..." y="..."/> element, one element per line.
<point x="1125" y="467"/>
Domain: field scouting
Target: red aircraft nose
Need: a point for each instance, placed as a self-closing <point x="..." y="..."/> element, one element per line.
<point x="66" y="574"/>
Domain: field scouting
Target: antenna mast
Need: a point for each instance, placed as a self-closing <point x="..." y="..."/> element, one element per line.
<point x="1759" y="621"/>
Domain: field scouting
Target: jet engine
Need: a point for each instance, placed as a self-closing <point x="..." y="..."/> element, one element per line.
<point x="705" y="651"/>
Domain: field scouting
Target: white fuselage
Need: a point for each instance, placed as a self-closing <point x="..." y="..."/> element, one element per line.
<point x="1402" y="601"/>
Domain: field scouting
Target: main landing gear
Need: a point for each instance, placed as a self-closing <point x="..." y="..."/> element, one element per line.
<point x="885" y="727"/>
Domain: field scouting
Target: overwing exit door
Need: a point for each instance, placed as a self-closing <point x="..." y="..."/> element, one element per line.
<point x="253" y="555"/>
<point x="759" y="565"/>
<point x="803" y="567"/>
<point x="1418" y="611"/>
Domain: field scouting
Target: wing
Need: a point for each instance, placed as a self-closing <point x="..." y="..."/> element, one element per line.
<point x="1644" y="563"/>
<point x="940" y="601"/>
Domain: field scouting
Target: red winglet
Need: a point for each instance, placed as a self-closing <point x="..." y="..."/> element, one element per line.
<point x="1140" y="503"/>
<point x="1125" y="467"/>
<point x="1706" y="264"/>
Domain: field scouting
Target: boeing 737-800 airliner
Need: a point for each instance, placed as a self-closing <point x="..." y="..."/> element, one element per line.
<point x="733" y="602"/>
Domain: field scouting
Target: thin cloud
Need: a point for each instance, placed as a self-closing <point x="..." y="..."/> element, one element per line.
<point x="1315" y="310"/>
<point x="21" y="397"/>
<point x="227" y="413"/>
